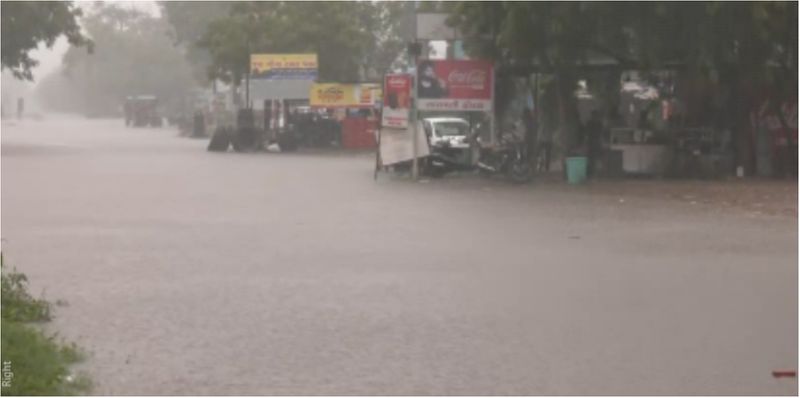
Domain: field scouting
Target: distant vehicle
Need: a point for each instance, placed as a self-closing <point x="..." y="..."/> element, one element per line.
<point x="142" y="110"/>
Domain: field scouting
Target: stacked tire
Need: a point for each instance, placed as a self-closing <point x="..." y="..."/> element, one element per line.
<point x="220" y="141"/>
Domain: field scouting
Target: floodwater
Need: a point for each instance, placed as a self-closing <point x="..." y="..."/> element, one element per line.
<point x="188" y="272"/>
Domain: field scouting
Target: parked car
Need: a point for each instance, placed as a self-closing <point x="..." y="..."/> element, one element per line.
<point x="450" y="132"/>
<point x="448" y="139"/>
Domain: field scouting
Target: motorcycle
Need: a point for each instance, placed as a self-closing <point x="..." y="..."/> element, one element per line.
<point x="508" y="159"/>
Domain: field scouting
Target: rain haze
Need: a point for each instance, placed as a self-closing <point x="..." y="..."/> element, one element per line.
<point x="399" y="198"/>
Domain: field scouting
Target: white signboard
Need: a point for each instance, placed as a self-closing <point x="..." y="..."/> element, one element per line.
<point x="396" y="100"/>
<point x="395" y="118"/>
<point x="454" y="104"/>
<point x="396" y="145"/>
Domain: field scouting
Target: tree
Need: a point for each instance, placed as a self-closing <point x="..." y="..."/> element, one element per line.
<point x="558" y="38"/>
<point x="26" y="24"/>
<point x="388" y="36"/>
<point x="189" y="21"/>
<point x="133" y="56"/>
<point x="351" y="39"/>
<point x="743" y="52"/>
<point x="735" y="48"/>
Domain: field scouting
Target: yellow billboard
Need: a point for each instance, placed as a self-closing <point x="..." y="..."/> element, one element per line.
<point x="283" y="66"/>
<point x="336" y="95"/>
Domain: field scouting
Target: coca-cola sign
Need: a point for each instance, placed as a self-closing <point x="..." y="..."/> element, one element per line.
<point x="396" y="101"/>
<point x="398" y="81"/>
<point x="474" y="79"/>
<point x="454" y="80"/>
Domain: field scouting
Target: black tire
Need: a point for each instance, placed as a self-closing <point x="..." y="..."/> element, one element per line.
<point x="245" y="139"/>
<point x="220" y="141"/>
<point x="520" y="172"/>
<point x="287" y="142"/>
<point x="432" y="171"/>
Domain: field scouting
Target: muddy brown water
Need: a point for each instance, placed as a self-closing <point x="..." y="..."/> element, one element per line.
<point x="187" y="272"/>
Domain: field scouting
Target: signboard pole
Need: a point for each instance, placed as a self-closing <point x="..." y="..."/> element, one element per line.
<point x="247" y="90"/>
<point x="492" y="113"/>
<point x="413" y="119"/>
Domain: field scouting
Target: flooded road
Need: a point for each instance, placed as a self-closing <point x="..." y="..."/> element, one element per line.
<point x="187" y="272"/>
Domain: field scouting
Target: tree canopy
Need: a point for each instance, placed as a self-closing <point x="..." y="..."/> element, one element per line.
<point x="740" y="50"/>
<point x="189" y="21"/>
<point x="26" y="24"/>
<point x="133" y="56"/>
<point x="353" y="40"/>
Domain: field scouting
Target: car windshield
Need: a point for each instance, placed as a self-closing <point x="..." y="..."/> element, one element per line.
<point x="450" y="129"/>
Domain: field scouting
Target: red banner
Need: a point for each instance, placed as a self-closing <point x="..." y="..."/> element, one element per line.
<point x="464" y="85"/>
<point x="396" y="100"/>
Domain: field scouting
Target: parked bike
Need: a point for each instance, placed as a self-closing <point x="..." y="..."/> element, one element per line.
<point x="508" y="158"/>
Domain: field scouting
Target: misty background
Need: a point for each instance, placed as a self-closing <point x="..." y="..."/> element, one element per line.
<point x="173" y="50"/>
<point x="123" y="47"/>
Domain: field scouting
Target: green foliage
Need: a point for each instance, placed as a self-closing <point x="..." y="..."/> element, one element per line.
<point x="351" y="39"/>
<point x="189" y="21"/>
<point x="40" y="364"/>
<point x="26" y="24"/>
<point x="743" y="47"/>
<point x="389" y="31"/>
<point x="17" y="304"/>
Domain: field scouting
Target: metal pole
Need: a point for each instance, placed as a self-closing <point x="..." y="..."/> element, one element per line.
<point x="537" y="105"/>
<point x="247" y="90"/>
<point x="493" y="111"/>
<point x="413" y="117"/>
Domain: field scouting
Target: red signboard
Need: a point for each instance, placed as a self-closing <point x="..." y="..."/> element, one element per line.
<point x="396" y="100"/>
<point x="462" y="85"/>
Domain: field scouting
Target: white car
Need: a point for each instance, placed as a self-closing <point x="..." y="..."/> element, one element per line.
<point x="450" y="132"/>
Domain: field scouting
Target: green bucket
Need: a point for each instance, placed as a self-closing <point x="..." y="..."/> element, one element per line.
<point x="576" y="169"/>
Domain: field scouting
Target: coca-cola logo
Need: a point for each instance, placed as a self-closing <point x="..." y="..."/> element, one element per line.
<point x="397" y="82"/>
<point x="474" y="79"/>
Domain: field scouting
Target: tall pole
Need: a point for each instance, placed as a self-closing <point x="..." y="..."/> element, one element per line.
<point x="414" y="51"/>
<point x="247" y="89"/>
<point x="493" y="111"/>
<point x="537" y="104"/>
<point x="413" y="118"/>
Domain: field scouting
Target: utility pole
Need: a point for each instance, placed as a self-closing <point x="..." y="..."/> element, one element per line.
<point x="413" y="51"/>
<point x="247" y="90"/>
<point x="247" y="78"/>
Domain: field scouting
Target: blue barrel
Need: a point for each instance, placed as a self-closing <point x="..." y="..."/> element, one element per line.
<point x="576" y="169"/>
